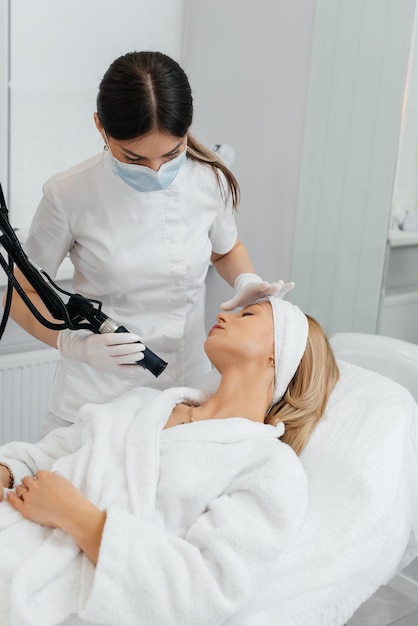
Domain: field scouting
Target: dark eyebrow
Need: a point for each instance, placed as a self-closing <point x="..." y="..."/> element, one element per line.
<point x="138" y="156"/>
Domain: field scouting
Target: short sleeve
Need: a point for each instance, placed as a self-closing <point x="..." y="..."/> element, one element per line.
<point x="223" y="233"/>
<point x="49" y="238"/>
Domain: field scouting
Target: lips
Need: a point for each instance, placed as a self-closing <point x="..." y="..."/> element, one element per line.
<point x="215" y="327"/>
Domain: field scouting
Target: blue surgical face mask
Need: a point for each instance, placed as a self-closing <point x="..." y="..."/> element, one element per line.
<point x="143" y="178"/>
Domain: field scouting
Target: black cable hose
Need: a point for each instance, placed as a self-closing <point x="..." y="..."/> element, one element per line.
<point x="54" y="304"/>
<point x="7" y="304"/>
<point x="13" y="283"/>
<point x="73" y="313"/>
<point x="52" y="301"/>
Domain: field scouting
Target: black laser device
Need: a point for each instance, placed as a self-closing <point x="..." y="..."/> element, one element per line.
<point x="79" y="312"/>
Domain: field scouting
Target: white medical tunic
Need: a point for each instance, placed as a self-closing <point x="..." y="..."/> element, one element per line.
<point x="144" y="255"/>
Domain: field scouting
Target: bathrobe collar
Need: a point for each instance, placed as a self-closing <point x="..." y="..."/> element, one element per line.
<point x="226" y="430"/>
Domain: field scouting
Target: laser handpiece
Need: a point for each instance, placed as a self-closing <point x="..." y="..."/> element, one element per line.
<point x="79" y="307"/>
<point x="72" y="314"/>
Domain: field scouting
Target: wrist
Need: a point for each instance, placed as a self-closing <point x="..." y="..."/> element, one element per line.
<point x="6" y="476"/>
<point x="85" y="523"/>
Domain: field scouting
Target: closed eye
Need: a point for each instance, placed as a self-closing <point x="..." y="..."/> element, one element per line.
<point x="132" y="159"/>
<point x="169" y="157"/>
<point x="172" y="155"/>
<point x="251" y="309"/>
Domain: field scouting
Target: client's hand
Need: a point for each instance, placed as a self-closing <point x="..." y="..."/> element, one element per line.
<point x="106" y="353"/>
<point x="250" y="288"/>
<point x="51" y="500"/>
<point x="48" y="499"/>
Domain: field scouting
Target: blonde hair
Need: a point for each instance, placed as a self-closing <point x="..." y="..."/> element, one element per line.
<point x="198" y="152"/>
<point x="306" y="396"/>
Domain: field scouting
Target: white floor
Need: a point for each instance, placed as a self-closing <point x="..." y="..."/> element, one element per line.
<point x="387" y="607"/>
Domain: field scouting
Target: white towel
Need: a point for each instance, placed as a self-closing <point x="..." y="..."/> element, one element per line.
<point x="290" y="337"/>
<point x="361" y="464"/>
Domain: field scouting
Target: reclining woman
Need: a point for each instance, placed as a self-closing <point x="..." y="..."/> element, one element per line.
<point x="169" y="507"/>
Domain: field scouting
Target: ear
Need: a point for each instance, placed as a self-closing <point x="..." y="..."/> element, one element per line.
<point x="272" y="361"/>
<point x="98" y="125"/>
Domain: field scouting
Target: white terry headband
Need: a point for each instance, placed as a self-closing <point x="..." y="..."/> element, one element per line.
<point x="290" y="337"/>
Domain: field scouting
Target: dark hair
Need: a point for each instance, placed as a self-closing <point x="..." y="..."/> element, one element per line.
<point x="145" y="91"/>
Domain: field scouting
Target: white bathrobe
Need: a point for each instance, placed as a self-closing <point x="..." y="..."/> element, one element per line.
<point x="197" y="516"/>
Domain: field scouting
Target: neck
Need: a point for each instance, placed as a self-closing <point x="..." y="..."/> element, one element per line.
<point x="239" y="395"/>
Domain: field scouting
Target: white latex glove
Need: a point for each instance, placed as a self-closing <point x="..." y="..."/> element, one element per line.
<point x="250" y="288"/>
<point x="108" y="352"/>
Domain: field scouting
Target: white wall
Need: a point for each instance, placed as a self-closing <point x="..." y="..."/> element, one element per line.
<point x="359" y="61"/>
<point x="59" y="50"/>
<point x="4" y="94"/>
<point x="405" y="192"/>
<point x="248" y="64"/>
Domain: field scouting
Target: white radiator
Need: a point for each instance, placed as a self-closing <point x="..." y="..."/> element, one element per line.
<point x="25" y="385"/>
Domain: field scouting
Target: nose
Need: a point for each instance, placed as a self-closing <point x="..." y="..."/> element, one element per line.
<point x="221" y="317"/>
<point x="154" y="164"/>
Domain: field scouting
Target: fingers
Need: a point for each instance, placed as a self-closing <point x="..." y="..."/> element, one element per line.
<point x="125" y="349"/>
<point x="111" y="339"/>
<point x="17" y="496"/>
<point x="229" y="305"/>
<point x="246" y="295"/>
<point x="127" y="359"/>
<point x="23" y="489"/>
<point x="278" y="286"/>
<point x="288" y="287"/>
<point x="280" y="289"/>
<point x="251" y="292"/>
<point x="15" y="501"/>
<point x="28" y="480"/>
<point x="112" y="350"/>
<point x="126" y="354"/>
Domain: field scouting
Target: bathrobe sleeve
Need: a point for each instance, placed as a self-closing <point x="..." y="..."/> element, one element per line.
<point x="150" y="576"/>
<point x="95" y="425"/>
<point x="27" y="458"/>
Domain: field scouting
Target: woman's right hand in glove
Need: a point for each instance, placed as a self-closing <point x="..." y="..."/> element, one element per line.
<point x="107" y="352"/>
